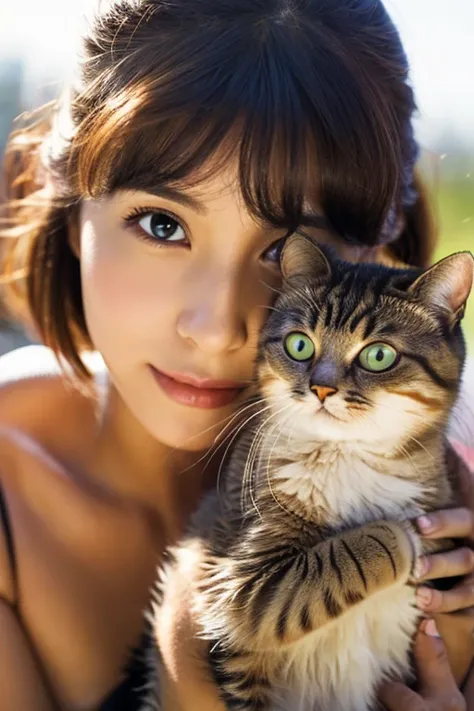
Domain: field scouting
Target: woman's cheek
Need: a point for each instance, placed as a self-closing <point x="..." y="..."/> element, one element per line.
<point x="126" y="290"/>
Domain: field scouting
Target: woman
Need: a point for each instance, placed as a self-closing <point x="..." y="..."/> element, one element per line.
<point x="147" y="211"/>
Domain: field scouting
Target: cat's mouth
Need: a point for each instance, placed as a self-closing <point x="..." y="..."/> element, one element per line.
<point x="323" y="411"/>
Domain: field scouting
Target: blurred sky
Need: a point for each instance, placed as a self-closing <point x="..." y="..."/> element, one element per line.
<point x="438" y="35"/>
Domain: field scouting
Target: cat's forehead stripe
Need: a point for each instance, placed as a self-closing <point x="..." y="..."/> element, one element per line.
<point x="358" y="317"/>
<point x="342" y="303"/>
<point x="370" y="326"/>
<point x="353" y="300"/>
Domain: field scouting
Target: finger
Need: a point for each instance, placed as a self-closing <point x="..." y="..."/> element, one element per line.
<point x="434" y="673"/>
<point x="398" y="697"/>
<point x="450" y="523"/>
<point x="445" y="565"/>
<point x="460" y="597"/>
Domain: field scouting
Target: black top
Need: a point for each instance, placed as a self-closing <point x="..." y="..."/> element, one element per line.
<point x="7" y="527"/>
<point x="129" y="695"/>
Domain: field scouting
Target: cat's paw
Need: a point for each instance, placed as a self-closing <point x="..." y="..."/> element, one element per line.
<point x="402" y="545"/>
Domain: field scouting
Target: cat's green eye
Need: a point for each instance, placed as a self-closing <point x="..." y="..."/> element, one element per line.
<point x="377" y="357"/>
<point x="299" y="346"/>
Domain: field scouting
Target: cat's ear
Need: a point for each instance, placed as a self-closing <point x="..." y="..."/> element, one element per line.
<point x="447" y="284"/>
<point x="301" y="257"/>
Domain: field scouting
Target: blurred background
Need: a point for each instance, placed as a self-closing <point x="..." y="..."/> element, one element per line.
<point x="38" y="45"/>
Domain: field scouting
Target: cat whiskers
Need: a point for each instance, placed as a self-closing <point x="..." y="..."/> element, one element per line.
<point x="254" y="401"/>
<point x="236" y="434"/>
<point x="233" y="434"/>
<point x="267" y="468"/>
<point x="279" y="292"/>
<point x="407" y="454"/>
<point x="213" y="449"/>
<point x="271" y="308"/>
<point x="248" y="475"/>
<point x="422" y="446"/>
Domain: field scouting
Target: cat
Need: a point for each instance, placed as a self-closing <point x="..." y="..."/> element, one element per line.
<point x="307" y="547"/>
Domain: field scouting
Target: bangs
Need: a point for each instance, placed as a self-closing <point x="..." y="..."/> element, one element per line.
<point x="303" y="122"/>
<point x="274" y="174"/>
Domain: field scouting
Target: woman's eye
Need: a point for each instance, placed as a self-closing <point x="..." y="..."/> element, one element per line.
<point x="161" y="227"/>
<point x="273" y="252"/>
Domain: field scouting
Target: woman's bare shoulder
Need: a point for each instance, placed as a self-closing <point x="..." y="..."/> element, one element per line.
<point x="39" y="363"/>
<point x="33" y="387"/>
<point x="47" y="430"/>
<point x="26" y="363"/>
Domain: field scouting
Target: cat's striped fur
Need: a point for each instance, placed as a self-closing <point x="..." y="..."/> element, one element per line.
<point x="307" y="551"/>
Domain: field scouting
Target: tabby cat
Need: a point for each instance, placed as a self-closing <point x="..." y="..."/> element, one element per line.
<point x="307" y="548"/>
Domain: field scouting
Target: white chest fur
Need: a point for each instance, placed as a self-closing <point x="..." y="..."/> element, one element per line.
<point x="348" y="485"/>
<point x="338" y="667"/>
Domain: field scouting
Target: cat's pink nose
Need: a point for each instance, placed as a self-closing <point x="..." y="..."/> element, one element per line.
<point x="322" y="391"/>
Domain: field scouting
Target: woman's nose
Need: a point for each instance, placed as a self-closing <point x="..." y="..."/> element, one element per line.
<point x="213" y="315"/>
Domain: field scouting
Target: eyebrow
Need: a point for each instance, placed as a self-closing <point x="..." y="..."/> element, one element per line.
<point x="168" y="193"/>
<point x="309" y="219"/>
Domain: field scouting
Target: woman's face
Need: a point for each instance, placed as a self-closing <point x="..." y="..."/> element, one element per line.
<point x="176" y="288"/>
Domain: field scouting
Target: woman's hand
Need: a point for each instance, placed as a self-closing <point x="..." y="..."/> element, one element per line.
<point x="453" y="523"/>
<point x="453" y="609"/>
<point x="437" y="688"/>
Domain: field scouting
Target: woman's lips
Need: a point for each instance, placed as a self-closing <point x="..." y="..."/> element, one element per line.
<point x="203" y="394"/>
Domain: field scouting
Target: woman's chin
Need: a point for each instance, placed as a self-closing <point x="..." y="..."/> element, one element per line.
<point x="195" y="429"/>
<point x="172" y="424"/>
<point x="191" y="434"/>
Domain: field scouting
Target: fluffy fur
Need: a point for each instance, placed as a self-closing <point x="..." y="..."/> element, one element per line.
<point x="307" y="552"/>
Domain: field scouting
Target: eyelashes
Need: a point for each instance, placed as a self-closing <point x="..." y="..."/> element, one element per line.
<point x="160" y="227"/>
<point x="155" y="226"/>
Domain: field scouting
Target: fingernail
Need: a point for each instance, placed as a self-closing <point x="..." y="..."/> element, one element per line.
<point x="424" y="597"/>
<point x="421" y="567"/>
<point x="430" y="629"/>
<point x="426" y="524"/>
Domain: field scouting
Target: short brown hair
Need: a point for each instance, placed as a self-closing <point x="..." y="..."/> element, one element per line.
<point x="309" y="96"/>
